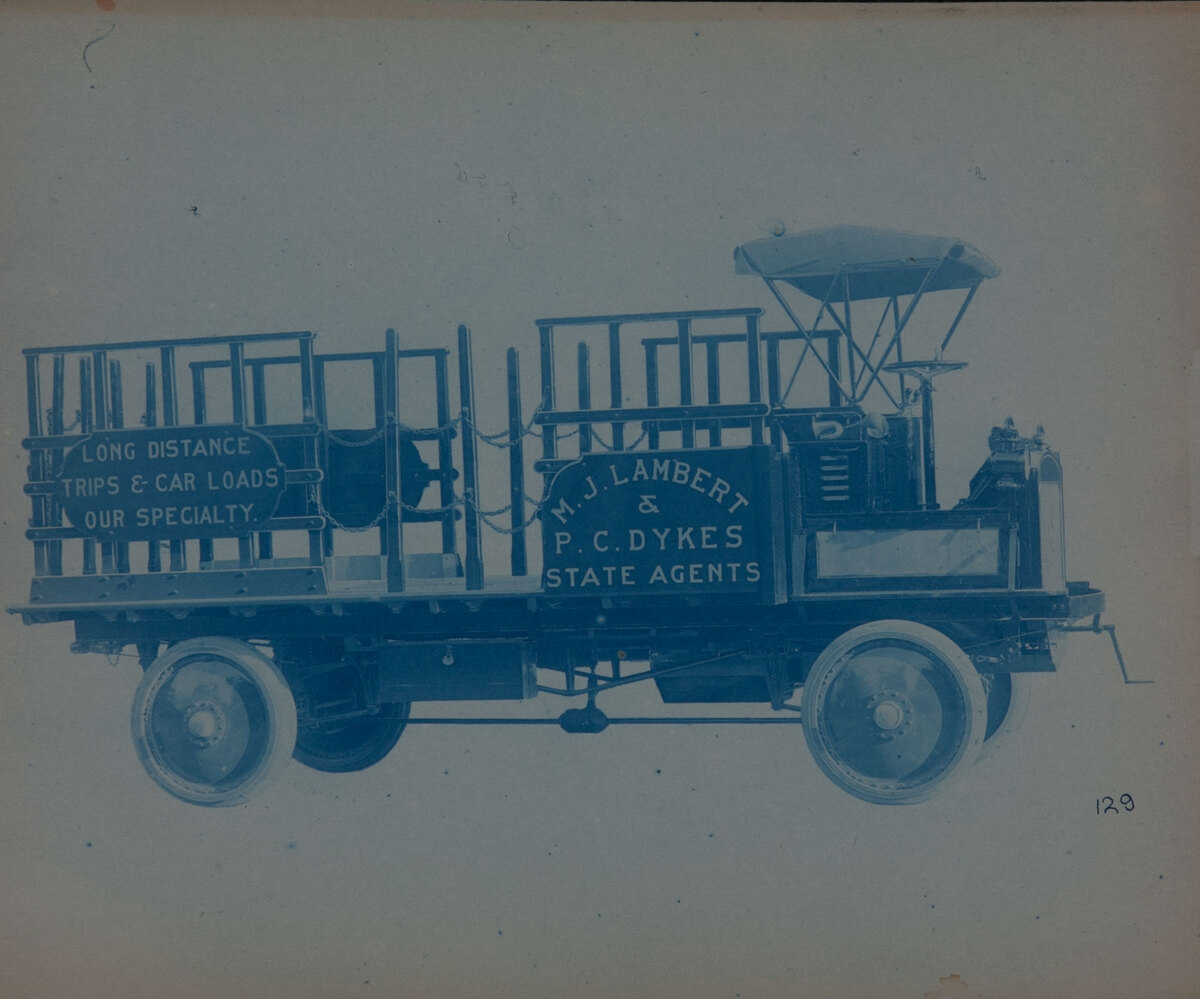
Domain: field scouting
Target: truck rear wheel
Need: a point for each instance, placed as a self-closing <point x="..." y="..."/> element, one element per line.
<point x="352" y="743"/>
<point x="213" y="721"/>
<point x="892" y="711"/>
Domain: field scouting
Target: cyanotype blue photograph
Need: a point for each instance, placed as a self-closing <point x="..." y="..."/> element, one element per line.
<point x="501" y="498"/>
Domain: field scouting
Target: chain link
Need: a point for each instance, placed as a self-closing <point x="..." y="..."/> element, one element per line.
<point x="334" y="522"/>
<point x="504" y="438"/>
<point x="510" y="530"/>
<point x="458" y="502"/>
<point x="626" y="447"/>
<point x="74" y="423"/>
<point x="331" y="436"/>
<point x="381" y="430"/>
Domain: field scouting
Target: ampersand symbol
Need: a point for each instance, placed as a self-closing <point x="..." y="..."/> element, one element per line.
<point x="647" y="504"/>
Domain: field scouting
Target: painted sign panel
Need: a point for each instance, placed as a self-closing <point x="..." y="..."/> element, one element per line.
<point x="658" y="522"/>
<point x="212" y="481"/>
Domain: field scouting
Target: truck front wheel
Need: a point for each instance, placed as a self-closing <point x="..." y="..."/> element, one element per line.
<point x="892" y="711"/>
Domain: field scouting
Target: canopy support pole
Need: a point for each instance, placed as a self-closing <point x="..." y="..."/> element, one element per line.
<point x="808" y="342"/>
<point x="896" y="335"/>
<point x="853" y="348"/>
<point x="958" y="318"/>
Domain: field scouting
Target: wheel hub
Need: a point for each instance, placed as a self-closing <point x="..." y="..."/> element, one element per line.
<point x="205" y="723"/>
<point x="891" y="713"/>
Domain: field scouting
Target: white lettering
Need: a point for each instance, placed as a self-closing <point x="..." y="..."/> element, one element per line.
<point x="178" y="482"/>
<point x="105" y="520"/>
<point x="563" y="511"/>
<point x="108" y="451"/>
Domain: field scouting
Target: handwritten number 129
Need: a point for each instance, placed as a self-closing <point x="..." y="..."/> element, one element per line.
<point x="1107" y="806"/>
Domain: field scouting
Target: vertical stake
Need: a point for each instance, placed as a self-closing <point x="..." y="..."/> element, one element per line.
<point x="474" y="557"/>
<point x="652" y="392"/>
<point x="687" y="428"/>
<point x="85" y="427"/>
<point x="516" y="465"/>
<point x="309" y="413"/>
<point x="445" y="454"/>
<point x="100" y="422"/>
<point x="153" y="553"/>
<point x="712" y="375"/>
<point x="258" y="397"/>
<point x="393" y="538"/>
<point x="549" y="431"/>
<point x="754" y="370"/>
<point x="37" y="459"/>
<point x="54" y="549"/>
<point x="170" y="418"/>
<point x="200" y="416"/>
<point x="117" y="421"/>
<point x="616" y="398"/>
<point x="585" y="395"/>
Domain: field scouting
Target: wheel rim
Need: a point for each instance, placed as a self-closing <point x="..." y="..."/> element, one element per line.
<point x="211" y="720"/>
<point x="891" y="711"/>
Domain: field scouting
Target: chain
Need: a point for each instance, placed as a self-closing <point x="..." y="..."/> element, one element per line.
<point x="76" y="422"/>
<point x="509" y="530"/>
<point x="627" y="447"/>
<point x="380" y="431"/>
<point x="330" y="435"/>
<point x="458" y="502"/>
<point x="334" y="522"/>
<point x="487" y="515"/>
<point x="504" y="438"/>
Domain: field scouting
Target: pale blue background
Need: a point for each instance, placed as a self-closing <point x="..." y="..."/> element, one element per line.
<point x="508" y="163"/>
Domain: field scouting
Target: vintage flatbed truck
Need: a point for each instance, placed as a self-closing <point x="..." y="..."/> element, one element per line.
<point x="211" y="511"/>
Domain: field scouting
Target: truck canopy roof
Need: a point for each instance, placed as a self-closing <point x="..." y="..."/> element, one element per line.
<point x="878" y="263"/>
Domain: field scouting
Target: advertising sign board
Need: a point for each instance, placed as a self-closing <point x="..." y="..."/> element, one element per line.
<point x="212" y="481"/>
<point x="659" y="522"/>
